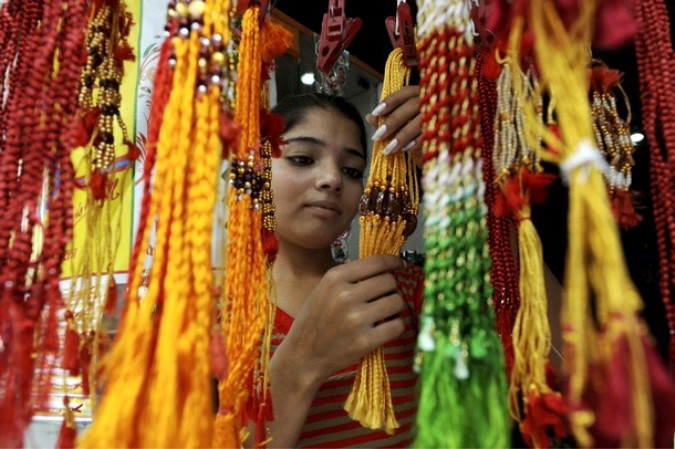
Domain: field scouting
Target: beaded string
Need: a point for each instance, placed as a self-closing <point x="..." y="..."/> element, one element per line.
<point x="463" y="378"/>
<point x="36" y="194"/>
<point x="388" y="211"/>
<point x="505" y="297"/>
<point x="654" y="51"/>
<point x="157" y="373"/>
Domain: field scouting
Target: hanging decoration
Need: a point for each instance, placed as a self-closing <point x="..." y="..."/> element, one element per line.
<point x="654" y="49"/>
<point x="93" y="289"/>
<point x="157" y="374"/>
<point x="248" y="310"/>
<point x="533" y="403"/>
<point x="388" y="216"/>
<point x="41" y="43"/>
<point x="612" y="136"/>
<point x="616" y="389"/>
<point x="463" y="387"/>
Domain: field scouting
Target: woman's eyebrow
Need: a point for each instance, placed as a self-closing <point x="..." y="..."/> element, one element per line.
<point x="319" y="142"/>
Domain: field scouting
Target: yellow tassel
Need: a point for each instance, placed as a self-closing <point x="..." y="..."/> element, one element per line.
<point x="601" y="305"/>
<point x="370" y="402"/>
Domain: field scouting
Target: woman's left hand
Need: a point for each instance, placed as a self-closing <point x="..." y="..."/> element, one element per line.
<point x="398" y="117"/>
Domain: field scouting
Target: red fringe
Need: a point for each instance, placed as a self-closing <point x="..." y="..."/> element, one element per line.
<point x="98" y="184"/>
<point x="545" y="413"/>
<point x="85" y="364"/>
<point x="86" y="125"/>
<point x="270" y="245"/>
<point x="110" y="307"/>
<point x="623" y="209"/>
<point x="229" y="133"/>
<point x="71" y="350"/>
<point x="68" y="432"/>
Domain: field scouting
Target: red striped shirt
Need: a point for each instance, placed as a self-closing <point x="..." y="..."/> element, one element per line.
<point x="328" y="424"/>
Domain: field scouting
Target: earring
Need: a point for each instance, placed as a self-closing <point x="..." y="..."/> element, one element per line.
<point x="339" y="248"/>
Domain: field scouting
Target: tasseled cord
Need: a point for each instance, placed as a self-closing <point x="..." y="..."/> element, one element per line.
<point x="370" y="401"/>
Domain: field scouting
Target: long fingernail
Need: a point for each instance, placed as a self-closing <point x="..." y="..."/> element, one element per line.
<point x="379" y="132"/>
<point x="409" y="146"/>
<point x="379" y="109"/>
<point x="370" y="118"/>
<point x="390" y="147"/>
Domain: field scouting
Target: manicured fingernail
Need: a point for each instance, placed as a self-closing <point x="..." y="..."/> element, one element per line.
<point x="379" y="109"/>
<point x="390" y="147"/>
<point x="371" y="119"/>
<point x="409" y="146"/>
<point x="379" y="132"/>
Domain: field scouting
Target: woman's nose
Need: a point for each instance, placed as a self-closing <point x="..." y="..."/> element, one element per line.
<point x="330" y="179"/>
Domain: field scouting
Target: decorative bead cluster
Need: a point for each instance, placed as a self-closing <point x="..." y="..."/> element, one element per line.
<point x="244" y="178"/>
<point x="612" y="136"/>
<point x="390" y="204"/>
<point x="216" y="58"/>
<point x="269" y="221"/>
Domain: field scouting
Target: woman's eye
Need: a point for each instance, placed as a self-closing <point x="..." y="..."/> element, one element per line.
<point x="353" y="173"/>
<point x="300" y="160"/>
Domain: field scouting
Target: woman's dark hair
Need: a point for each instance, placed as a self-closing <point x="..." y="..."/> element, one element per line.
<point x="294" y="107"/>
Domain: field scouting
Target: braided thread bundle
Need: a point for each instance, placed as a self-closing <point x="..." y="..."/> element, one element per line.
<point x="158" y="372"/>
<point x="248" y="313"/>
<point x="463" y="379"/>
<point x="613" y="374"/>
<point x="41" y="44"/>
<point x="388" y="216"/>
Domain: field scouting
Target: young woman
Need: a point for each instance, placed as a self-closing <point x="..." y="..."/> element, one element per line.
<point x="329" y="314"/>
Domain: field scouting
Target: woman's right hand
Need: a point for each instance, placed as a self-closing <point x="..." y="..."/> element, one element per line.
<point x="347" y="315"/>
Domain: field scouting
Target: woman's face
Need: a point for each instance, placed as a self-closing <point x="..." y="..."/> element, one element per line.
<point x="318" y="180"/>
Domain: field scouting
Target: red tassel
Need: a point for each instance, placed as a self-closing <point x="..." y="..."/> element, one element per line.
<point x="71" y="351"/>
<point x="219" y="363"/>
<point x="271" y="127"/>
<point x="124" y="53"/>
<point x="623" y="209"/>
<point x="545" y="413"/>
<point x="133" y="152"/>
<point x="86" y="124"/>
<point x="110" y="307"/>
<point x="614" y="24"/>
<point x="537" y="184"/>
<point x="68" y="432"/>
<point x="270" y="245"/>
<point x="85" y="363"/>
<point x="604" y="79"/>
<point x="50" y="343"/>
<point x="98" y="184"/>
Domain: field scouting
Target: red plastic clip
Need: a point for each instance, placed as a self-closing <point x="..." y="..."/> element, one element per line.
<point x="243" y="5"/>
<point x="337" y="31"/>
<point x="404" y="36"/>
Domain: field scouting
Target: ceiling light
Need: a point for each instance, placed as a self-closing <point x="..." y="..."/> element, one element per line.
<point x="307" y="78"/>
<point x="637" y="137"/>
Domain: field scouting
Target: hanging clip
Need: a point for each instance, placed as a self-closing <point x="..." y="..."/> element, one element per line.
<point x="243" y="5"/>
<point x="337" y="31"/>
<point x="401" y="31"/>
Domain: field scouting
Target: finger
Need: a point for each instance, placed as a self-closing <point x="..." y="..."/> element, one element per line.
<point x="407" y="139"/>
<point x="405" y="119"/>
<point x="371" y="119"/>
<point x="386" y="331"/>
<point x="375" y="287"/>
<point x="368" y="267"/>
<point x="384" y="308"/>
<point x="394" y="100"/>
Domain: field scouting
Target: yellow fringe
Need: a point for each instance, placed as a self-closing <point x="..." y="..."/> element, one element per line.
<point x="164" y="385"/>
<point x="595" y="266"/>
<point x="370" y="402"/>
